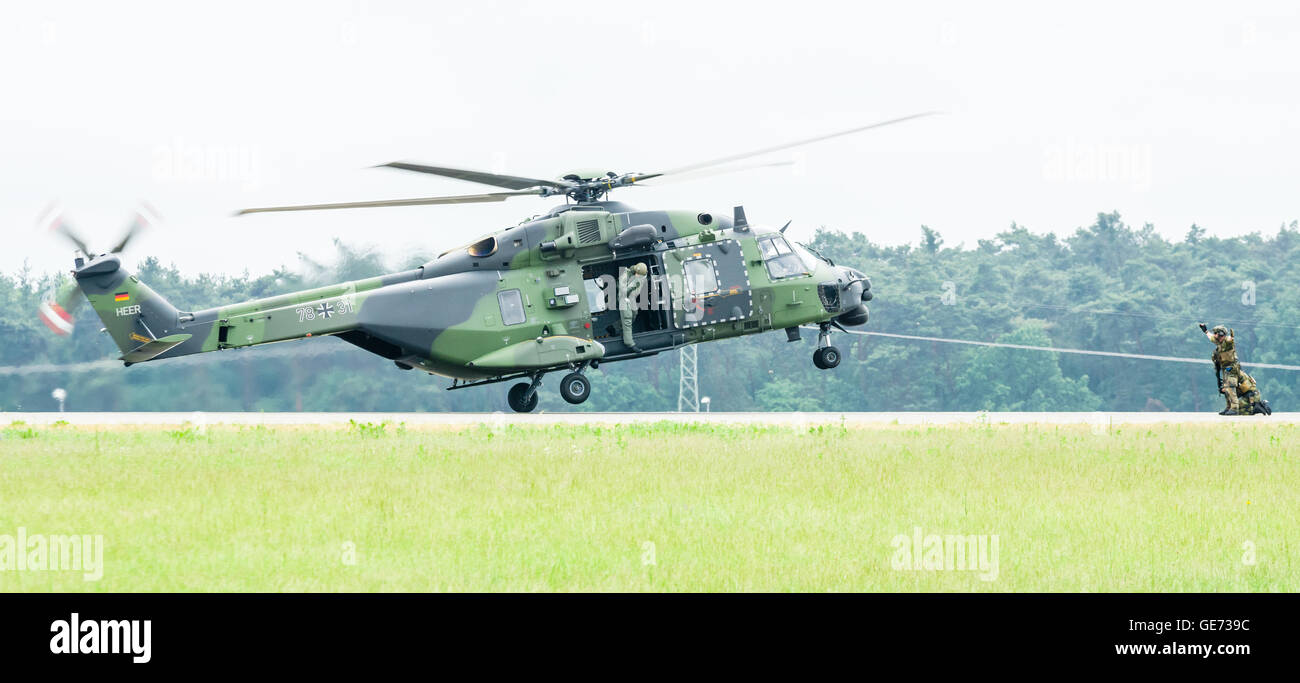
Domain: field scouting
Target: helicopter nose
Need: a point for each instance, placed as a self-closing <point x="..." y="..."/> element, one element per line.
<point x="858" y="287"/>
<point x="866" y="289"/>
<point x="857" y="291"/>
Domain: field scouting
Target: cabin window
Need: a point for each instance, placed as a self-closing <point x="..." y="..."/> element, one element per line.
<point x="782" y="261"/>
<point x="701" y="278"/>
<point x="512" y="307"/>
<point x="484" y="247"/>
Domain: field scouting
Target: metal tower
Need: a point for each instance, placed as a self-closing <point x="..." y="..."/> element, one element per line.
<point x="688" y="388"/>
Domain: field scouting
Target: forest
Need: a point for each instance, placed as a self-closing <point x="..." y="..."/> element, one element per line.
<point x="1107" y="287"/>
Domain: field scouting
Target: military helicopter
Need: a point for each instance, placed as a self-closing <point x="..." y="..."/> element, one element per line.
<point x="548" y="295"/>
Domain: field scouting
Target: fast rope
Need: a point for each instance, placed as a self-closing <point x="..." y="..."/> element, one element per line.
<point x="1085" y="352"/>
<point x="1075" y="310"/>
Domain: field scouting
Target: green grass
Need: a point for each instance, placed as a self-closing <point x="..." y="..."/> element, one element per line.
<point x="655" y="508"/>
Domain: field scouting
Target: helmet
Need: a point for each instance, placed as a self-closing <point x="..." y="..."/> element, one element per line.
<point x="639" y="269"/>
<point x="1219" y="329"/>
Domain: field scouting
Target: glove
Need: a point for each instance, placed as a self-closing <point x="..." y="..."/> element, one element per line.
<point x="1203" y="328"/>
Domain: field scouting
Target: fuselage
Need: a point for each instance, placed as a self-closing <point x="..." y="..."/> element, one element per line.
<point x="542" y="294"/>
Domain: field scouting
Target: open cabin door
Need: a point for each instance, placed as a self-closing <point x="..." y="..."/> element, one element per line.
<point x="709" y="284"/>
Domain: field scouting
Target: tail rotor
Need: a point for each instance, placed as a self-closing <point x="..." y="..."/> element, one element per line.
<point x="58" y="310"/>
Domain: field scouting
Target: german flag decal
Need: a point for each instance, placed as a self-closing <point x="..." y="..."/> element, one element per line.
<point x="122" y="296"/>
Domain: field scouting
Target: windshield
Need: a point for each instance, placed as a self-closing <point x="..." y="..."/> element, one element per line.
<point x="809" y="259"/>
<point x="782" y="260"/>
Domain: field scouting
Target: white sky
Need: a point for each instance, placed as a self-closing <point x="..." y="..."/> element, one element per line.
<point x="1171" y="113"/>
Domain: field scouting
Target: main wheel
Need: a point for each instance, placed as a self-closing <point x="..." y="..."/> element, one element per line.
<point x="575" y="388"/>
<point x="826" y="357"/>
<point x="516" y="398"/>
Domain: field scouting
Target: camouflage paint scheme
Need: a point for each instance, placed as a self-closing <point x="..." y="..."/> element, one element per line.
<point x="445" y="317"/>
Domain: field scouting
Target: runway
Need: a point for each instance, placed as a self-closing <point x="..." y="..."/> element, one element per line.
<point x="541" y="419"/>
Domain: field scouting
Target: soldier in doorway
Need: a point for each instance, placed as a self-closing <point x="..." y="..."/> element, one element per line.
<point x="630" y="282"/>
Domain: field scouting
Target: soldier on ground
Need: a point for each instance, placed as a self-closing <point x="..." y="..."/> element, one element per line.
<point x="1238" y="388"/>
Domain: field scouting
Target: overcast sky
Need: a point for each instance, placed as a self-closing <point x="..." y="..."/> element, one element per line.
<point x="1170" y="113"/>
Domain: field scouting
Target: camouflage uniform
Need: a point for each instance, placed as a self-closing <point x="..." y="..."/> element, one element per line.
<point x="1238" y="388"/>
<point x="630" y="282"/>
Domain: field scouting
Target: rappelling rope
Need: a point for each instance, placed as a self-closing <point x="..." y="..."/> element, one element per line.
<point x="1085" y="352"/>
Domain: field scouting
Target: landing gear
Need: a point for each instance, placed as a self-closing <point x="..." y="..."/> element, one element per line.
<point x="522" y="397"/>
<point x="826" y="356"/>
<point x="575" y="388"/>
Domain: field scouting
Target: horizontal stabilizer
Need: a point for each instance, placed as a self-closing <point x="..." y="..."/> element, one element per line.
<point x="152" y="349"/>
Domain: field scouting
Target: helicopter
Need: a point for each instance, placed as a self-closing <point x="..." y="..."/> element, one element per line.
<point x="552" y="294"/>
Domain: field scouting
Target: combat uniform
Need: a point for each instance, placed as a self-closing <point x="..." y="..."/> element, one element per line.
<point x="630" y="282"/>
<point x="1234" y="381"/>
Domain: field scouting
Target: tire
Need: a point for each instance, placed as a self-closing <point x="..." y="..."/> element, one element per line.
<point x="575" y="388"/>
<point x="515" y="398"/>
<point x="827" y="357"/>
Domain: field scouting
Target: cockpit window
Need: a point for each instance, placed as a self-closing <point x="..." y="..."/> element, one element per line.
<point x="782" y="261"/>
<point x="484" y="247"/>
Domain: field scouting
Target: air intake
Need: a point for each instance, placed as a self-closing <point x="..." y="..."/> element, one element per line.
<point x="588" y="232"/>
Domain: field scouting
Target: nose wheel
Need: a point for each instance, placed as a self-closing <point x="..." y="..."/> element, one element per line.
<point x="826" y="356"/>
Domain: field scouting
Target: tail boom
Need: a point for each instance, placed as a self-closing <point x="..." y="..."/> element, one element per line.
<point x="146" y="327"/>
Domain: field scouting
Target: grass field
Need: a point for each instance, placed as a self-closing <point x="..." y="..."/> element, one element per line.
<point x="665" y="507"/>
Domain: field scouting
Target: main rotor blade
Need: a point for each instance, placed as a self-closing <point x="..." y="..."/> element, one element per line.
<point x="692" y="175"/>
<point x="419" y="201"/>
<point x="798" y="143"/>
<point x="482" y="177"/>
